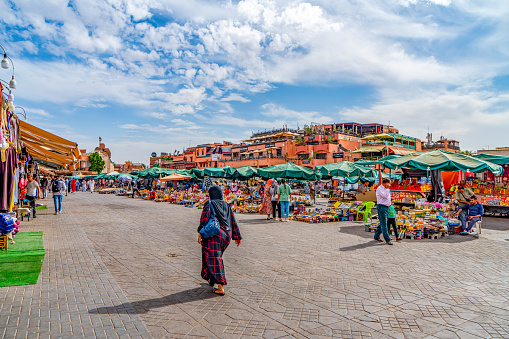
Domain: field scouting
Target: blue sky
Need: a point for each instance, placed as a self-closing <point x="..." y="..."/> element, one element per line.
<point x="158" y="75"/>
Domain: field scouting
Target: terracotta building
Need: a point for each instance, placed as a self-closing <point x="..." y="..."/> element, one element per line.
<point x="105" y="153"/>
<point x="312" y="146"/>
<point x="263" y="149"/>
<point x="129" y="166"/>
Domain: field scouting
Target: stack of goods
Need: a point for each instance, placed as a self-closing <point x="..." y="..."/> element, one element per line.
<point x="426" y="220"/>
<point x="342" y="211"/>
<point x="245" y="207"/>
<point x="404" y="197"/>
<point x="491" y="194"/>
<point x="314" y="216"/>
<point x="414" y="185"/>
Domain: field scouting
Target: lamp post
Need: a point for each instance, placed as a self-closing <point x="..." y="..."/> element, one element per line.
<point x="5" y="64"/>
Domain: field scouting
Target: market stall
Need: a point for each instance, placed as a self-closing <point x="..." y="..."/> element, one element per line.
<point x="288" y="171"/>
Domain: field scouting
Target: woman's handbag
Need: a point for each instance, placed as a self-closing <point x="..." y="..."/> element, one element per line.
<point x="211" y="228"/>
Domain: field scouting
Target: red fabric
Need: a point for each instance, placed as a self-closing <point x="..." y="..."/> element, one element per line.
<point x="214" y="247"/>
<point x="449" y="179"/>
<point x="266" y="204"/>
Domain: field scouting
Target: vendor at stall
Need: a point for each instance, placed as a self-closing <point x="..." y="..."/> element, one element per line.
<point x="462" y="196"/>
<point x="474" y="214"/>
<point x="363" y="188"/>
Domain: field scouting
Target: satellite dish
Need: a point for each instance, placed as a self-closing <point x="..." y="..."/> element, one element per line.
<point x="154" y="154"/>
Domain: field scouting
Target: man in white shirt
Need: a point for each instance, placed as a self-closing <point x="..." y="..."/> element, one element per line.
<point x="32" y="192"/>
<point x="383" y="202"/>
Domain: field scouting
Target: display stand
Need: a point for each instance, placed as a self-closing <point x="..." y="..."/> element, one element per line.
<point x="407" y="198"/>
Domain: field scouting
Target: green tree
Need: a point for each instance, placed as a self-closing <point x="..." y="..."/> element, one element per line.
<point x="466" y="152"/>
<point x="96" y="163"/>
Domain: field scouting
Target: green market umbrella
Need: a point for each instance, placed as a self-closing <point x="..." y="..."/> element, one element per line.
<point x="343" y="169"/>
<point x="244" y="172"/>
<point x="495" y="159"/>
<point x="443" y="161"/>
<point x="219" y="172"/>
<point x="198" y="172"/>
<point x="90" y="176"/>
<point x="156" y="172"/>
<point x="371" y="179"/>
<point x="288" y="171"/>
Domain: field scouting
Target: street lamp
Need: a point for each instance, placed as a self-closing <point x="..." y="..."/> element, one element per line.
<point x="5" y="64"/>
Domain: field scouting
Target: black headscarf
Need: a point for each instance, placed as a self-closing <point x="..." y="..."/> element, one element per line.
<point x="222" y="209"/>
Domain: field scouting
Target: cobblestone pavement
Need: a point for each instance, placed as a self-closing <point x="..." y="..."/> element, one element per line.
<point x="113" y="261"/>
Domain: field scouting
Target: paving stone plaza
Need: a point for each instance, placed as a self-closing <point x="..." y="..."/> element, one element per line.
<point x="123" y="268"/>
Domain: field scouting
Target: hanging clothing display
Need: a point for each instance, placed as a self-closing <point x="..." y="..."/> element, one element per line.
<point x="8" y="164"/>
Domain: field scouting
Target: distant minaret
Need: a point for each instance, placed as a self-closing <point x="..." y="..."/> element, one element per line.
<point x="100" y="141"/>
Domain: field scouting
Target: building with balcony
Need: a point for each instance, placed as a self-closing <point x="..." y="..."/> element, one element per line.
<point x="264" y="149"/>
<point x="212" y="155"/>
<point x="374" y="147"/>
<point x="325" y="148"/>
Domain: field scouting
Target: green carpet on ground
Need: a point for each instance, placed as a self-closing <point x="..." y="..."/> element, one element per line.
<point x="21" y="264"/>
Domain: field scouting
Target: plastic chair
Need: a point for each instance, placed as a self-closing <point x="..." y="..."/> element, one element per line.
<point x="366" y="213"/>
<point x="478" y="226"/>
<point x="359" y="210"/>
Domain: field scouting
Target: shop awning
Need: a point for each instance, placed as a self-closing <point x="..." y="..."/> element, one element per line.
<point x="49" y="147"/>
<point x="370" y="149"/>
<point x="443" y="161"/>
<point x="400" y="151"/>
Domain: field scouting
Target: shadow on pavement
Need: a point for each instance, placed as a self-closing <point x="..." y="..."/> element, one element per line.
<point x="142" y="306"/>
<point x="358" y="230"/>
<point x="361" y="246"/>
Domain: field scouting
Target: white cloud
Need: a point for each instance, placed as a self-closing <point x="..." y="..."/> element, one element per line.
<point x="235" y="97"/>
<point x="419" y="57"/>
<point x="130" y="126"/>
<point x="473" y="116"/>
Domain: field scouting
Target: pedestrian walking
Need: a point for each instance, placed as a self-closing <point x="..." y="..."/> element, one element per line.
<point x="391" y="221"/>
<point x="32" y="192"/>
<point x="383" y="200"/>
<point x="91" y="185"/>
<point x="214" y="247"/>
<point x="58" y="189"/>
<point x="284" y="192"/>
<point x="44" y="187"/>
<point x="307" y="191"/>
<point x="276" y="206"/>
<point x="265" y="209"/>
<point x="67" y="186"/>
<point x="312" y="193"/>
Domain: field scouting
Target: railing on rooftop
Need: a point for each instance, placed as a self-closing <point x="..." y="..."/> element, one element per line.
<point x="252" y="158"/>
<point x="387" y="143"/>
<point x="439" y="146"/>
<point x="280" y="130"/>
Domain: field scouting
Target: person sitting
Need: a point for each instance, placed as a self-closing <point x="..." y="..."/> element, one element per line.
<point x="474" y="214"/>
<point x="462" y="196"/>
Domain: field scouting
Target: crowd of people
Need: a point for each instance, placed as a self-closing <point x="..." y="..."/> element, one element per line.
<point x="57" y="185"/>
